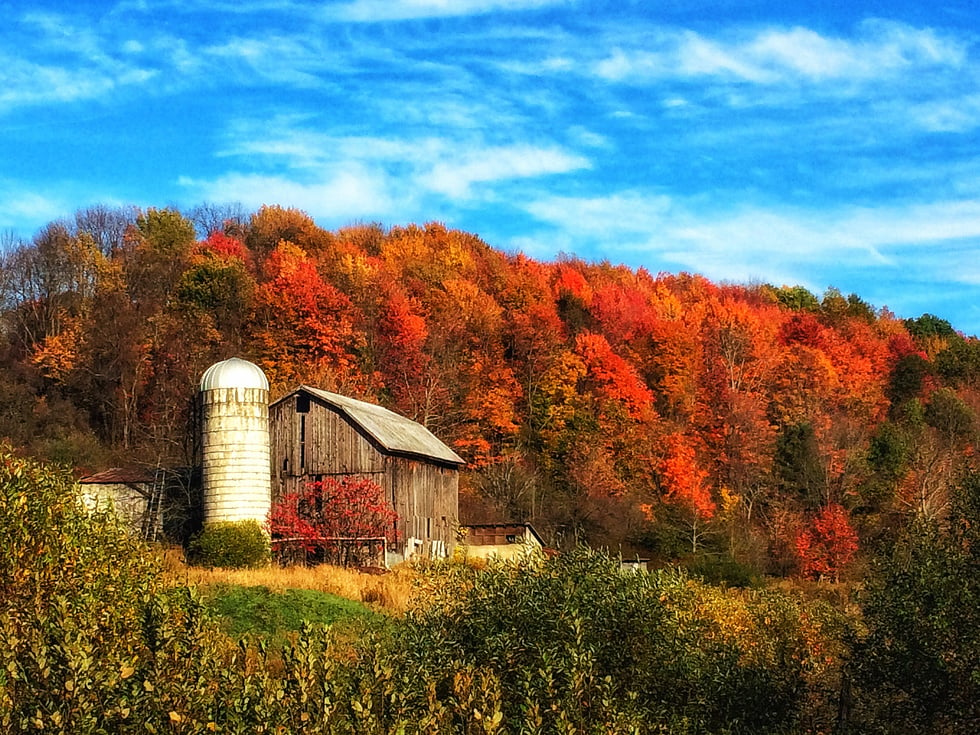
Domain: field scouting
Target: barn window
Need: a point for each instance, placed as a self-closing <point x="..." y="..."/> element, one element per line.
<point x="302" y="403"/>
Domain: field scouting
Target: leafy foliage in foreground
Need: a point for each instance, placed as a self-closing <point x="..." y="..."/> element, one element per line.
<point x="96" y="643"/>
<point x="573" y="644"/>
<point x="88" y="628"/>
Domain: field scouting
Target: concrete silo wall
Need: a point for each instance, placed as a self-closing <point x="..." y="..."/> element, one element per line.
<point x="235" y="443"/>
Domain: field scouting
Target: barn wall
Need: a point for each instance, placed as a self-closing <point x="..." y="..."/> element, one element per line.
<point x="425" y="495"/>
<point x="426" y="500"/>
<point x="128" y="501"/>
<point x="318" y="442"/>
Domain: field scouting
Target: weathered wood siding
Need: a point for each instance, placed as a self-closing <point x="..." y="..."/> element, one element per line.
<point x="426" y="499"/>
<point x="321" y="442"/>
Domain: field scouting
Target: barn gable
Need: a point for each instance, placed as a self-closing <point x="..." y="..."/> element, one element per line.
<point x="317" y="434"/>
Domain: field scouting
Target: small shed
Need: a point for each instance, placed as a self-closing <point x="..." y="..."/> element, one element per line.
<point x="133" y="493"/>
<point x="316" y="434"/>
<point x="502" y="540"/>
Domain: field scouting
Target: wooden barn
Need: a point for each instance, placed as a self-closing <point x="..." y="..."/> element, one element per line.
<point x="315" y="434"/>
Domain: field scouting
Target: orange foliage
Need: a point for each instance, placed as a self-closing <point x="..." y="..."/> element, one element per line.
<point x="308" y="326"/>
<point x="581" y="367"/>
<point x="684" y="482"/>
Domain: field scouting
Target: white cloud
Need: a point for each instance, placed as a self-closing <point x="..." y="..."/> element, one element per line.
<point x="385" y="10"/>
<point x="784" y="55"/>
<point x="455" y="176"/>
<point x="776" y="244"/>
<point x="23" y="205"/>
<point x="343" y="195"/>
<point x="443" y="167"/>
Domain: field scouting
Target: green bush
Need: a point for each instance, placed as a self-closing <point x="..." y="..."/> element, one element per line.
<point x="232" y="545"/>
<point x="573" y="644"/>
<point x="917" y="668"/>
<point x="85" y="618"/>
<point x="94" y="641"/>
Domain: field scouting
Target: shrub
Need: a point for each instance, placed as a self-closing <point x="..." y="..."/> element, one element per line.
<point x="916" y="670"/>
<point x="572" y="643"/>
<point x="84" y="616"/>
<point x="232" y="545"/>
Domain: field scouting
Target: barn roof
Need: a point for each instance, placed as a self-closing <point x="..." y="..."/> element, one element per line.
<point x="395" y="433"/>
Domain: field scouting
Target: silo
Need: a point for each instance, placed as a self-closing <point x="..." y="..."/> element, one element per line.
<point x="235" y="443"/>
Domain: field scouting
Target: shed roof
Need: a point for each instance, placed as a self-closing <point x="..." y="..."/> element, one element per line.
<point x="501" y="529"/>
<point x="395" y="433"/>
<point x="119" y="476"/>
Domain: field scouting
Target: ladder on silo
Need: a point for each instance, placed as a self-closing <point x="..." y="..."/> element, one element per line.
<point x="151" y="516"/>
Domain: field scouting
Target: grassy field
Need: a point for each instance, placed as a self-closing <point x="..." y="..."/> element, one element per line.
<point x="276" y="616"/>
<point x="274" y="602"/>
<point x="392" y="591"/>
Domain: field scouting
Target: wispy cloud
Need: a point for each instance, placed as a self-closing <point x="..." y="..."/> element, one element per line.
<point x="362" y="11"/>
<point x="394" y="178"/>
<point x="63" y="62"/>
<point x="455" y="177"/>
<point x="335" y="194"/>
<point x="20" y="205"/>
<point x="785" y="55"/>
<point x="772" y="243"/>
<point x="448" y="166"/>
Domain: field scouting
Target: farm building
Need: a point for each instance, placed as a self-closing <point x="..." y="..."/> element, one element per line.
<point x="135" y="494"/>
<point x="502" y="540"/>
<point x="315" y="434"/>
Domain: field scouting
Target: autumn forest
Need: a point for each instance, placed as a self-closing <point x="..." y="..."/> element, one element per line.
<point x="755" y="429"/>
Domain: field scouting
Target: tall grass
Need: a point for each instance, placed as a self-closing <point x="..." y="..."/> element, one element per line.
<point x="392" y="591"/>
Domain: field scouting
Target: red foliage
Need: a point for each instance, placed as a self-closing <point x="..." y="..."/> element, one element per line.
<point x="569" y="281"/>
<point x="334" y="508"/>
<point x="902" y="344"/>
<point x="306" y="324"/>
<point x="225" y="247"/>
<point x="610" y="376"/>
<point x="827" y="546"/>
<point x="803" y="329"/>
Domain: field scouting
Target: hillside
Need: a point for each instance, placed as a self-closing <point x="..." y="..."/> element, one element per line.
<point x="758" y="425"/>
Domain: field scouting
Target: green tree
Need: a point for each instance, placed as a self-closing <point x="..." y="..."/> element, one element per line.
<point x="918" y="669"/>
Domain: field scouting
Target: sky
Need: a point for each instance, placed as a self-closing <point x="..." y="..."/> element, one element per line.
<point x="822" y="144"/>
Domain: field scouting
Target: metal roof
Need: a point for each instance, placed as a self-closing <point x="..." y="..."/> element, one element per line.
<point x="234" y="373"/>
<point x="393" y="432"/>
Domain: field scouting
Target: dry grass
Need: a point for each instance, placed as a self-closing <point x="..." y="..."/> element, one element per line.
<point x="391" y="591"/>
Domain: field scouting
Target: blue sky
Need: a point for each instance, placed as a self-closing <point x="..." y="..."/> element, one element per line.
<point x="815" y="144"/>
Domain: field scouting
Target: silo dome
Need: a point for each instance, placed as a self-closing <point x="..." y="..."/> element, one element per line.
<point x="234" y="373"/>
<point x="236" y="469"/>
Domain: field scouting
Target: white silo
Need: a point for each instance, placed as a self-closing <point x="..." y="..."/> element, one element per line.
<point x="235" y="442"/>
